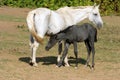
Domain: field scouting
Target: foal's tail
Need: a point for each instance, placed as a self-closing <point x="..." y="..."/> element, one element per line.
<point x="31" y="26"/>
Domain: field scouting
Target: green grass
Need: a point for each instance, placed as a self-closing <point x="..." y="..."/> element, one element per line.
<point x="11" y="18"/>
<point x="108" y="45"/>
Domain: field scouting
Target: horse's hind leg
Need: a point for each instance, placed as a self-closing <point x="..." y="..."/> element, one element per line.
<point x="33" y="45"/>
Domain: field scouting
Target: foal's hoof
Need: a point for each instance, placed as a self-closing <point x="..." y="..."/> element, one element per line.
<point x="92" y="68"/>
<point x="59" y="64"/>
<point x="87" y="65"/>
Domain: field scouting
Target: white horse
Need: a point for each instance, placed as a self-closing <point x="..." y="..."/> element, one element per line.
<point x="43" y="21"/>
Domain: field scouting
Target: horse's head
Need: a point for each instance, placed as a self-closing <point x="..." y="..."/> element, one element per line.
<point x="95" y="17"/>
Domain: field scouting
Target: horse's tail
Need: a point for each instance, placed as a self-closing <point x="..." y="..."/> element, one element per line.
<point x="31" y="26"/>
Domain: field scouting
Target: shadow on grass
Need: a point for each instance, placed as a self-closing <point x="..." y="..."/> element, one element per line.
<point x="72" y="60"/>
<point x="49" y="60"/>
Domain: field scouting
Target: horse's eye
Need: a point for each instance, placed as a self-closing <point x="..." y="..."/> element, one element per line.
<point x="95" y="14"/>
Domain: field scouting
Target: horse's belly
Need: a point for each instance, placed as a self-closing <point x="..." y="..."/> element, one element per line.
<point x="56" y="23"/>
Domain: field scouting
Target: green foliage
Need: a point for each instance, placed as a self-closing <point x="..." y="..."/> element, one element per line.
<point x="108" y="7"/>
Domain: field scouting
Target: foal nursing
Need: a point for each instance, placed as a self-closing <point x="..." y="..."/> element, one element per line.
<point x="73" y="34"/>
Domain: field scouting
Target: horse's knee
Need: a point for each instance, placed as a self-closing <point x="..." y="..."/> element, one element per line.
<point x="33" y="63"/>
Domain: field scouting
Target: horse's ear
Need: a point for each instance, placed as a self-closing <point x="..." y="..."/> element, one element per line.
<point x="98" y="5"/>
<point x="94" y="5"/>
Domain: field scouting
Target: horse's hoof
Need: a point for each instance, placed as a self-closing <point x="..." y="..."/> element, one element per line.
<point x="67" y="65"/>
<point x="33" y="64"/>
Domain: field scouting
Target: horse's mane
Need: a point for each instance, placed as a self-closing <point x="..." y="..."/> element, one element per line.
<point x="80" y="7"/>
<point x="62" y="9"/>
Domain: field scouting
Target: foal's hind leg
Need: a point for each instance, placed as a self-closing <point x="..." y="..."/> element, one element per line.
<point x="76" y="53"/>
<point x="33" y="45"/>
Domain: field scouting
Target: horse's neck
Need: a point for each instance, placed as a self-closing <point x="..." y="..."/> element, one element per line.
<point x="80" y="14"/>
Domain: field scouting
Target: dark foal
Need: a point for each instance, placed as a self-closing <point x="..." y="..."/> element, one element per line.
<point x="76" y="33"/>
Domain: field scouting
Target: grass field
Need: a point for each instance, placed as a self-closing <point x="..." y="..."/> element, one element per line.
<point x="15" y="52"/>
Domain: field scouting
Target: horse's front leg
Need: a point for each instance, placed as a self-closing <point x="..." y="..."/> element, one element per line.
<point x="33" y="45"/>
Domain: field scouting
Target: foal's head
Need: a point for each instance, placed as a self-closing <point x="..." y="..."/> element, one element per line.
<point x="52" y="41"/>
<point x="95" y="17"/>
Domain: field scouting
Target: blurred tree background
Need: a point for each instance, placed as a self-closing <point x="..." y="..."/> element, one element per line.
<point x="107" y="7"/>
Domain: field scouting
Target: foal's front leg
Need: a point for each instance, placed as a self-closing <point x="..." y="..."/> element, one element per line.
<point x="88" y="52"/>
<point x="66" y="46"/>
<point x="93" y="54"/>
<point x="59" y="54"/>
